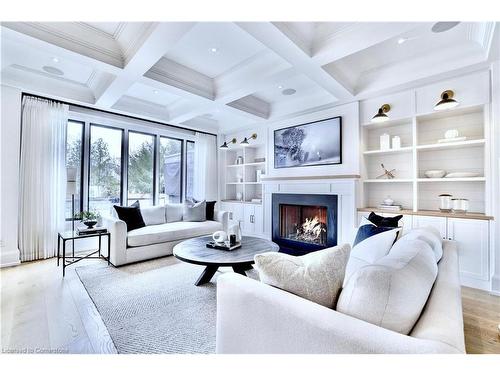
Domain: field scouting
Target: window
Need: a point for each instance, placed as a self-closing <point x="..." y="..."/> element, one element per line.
<point x="140" y="168"/>
<point x="74" y="155"/>
<point x="105" y="168"/>
<point x="189" y="169"/>
<point x="170" y="170"/>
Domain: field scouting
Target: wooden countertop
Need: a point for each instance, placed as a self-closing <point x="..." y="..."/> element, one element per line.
<point x="468" y="215"/>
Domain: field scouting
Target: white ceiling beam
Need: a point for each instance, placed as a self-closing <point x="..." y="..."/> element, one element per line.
<point x="161" y="37"/>
<point x="272" y="37"/>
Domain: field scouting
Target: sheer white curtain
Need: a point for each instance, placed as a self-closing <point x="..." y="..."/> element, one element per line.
<point x="42" y="177"/>
<point x="205" y="167"/>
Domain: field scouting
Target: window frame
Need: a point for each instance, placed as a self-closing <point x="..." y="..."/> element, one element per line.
<point x="186" y="166"/>
<point x="183" y="165"/>
<point x="90" y="117"/>
<point x="82" y="167"/>
<point x="123" y="169"/>
<point x="155" y="155"/>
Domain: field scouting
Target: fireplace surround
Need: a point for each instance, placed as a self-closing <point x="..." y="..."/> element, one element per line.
<point x="303" y="223"/>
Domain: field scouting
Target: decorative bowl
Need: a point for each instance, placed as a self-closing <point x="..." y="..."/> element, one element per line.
<point x="435" y="173"/>
<point x="90" y="223"/>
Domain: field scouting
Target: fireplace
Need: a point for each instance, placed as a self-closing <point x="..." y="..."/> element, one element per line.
<point x="304" y="222"/>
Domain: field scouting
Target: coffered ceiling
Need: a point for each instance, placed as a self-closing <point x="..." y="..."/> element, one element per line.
<point x="225" y="76"/>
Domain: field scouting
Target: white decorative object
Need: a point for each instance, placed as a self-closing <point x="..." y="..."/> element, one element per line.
<point x="388" y="201"/>
<point x="450" y="134"/>
<point x="385" y="142"/>
<point x="462" y="175"/>
<point x="220" y="236"/>
<point x="459" y="205"/>
<point x="435" y="173"/>
<point x="445" y="202"/>
<point x="239" y="196"/>
<point x="258" y="174"/>
<point x="236" y="230"/>
<point x="239" y="178"/>
<point x="396" y="142"/>
<point x="449" y="140"/>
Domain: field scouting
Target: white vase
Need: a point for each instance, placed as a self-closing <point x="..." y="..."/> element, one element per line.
<point x="385" y="141"/>
<point x="396" y="142"/>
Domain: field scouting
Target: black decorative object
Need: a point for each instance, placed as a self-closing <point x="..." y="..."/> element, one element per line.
<point x="382" y="221"/>
<point x="313" y="143"/>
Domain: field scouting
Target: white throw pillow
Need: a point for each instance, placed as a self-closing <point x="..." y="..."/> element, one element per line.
<point x="316" y="276"/>
<point x="195" y="211"/>
<point x="173" y="212"/>
<point x="153" y="215"/>
<point x="392" y="292"/>
<point x="370" y="250"/>
<point x="431" y="236"/>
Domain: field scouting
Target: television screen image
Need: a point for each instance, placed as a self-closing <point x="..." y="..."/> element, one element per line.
<point x="314" y="143"/>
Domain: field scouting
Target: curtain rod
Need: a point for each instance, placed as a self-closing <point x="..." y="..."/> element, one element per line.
<point x="115" y="113"/>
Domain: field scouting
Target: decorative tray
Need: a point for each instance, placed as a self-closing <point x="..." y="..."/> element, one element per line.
<point x="221" y="246"/>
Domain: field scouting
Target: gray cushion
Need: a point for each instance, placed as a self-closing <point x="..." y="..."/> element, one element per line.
<point x="173" y="212"/>
<point x="153" y="215"/>
<point x="175" y="231"/>
<point x="392" y="292"/>
<point x="195" y="212"/>
<point x="317" y="276"/>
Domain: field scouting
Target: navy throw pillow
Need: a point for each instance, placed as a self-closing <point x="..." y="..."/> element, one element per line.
<point x="367" y="231"/>
<point x="381" y="221"/>
<point x="131" y="215"/>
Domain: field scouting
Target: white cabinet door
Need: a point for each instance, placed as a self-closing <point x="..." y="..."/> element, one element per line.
<point x="258" y="220"/>
<point x="431" y="221"/>
<point x="472" y="238"/>
<point x="248" y="226"/>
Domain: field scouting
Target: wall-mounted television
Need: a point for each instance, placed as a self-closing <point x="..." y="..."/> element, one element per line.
<point x="313" y="143"/>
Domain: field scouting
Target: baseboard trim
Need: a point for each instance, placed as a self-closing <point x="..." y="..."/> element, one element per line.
<point x="9" y="258"/>
<point x="495" y="285"/>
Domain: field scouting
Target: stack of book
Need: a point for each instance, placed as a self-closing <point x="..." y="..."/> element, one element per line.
<point x="81" y="231"/>
<point x="391" y="207"/>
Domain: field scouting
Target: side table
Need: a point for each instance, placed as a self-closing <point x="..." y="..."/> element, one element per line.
<point x="73" y="235"/>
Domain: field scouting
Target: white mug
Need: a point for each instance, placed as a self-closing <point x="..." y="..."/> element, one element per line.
<point x="219" y="236"/>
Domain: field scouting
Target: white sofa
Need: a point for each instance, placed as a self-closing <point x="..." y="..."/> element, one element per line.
<point x="253" y="317"/>
<point x="153" y="241"/>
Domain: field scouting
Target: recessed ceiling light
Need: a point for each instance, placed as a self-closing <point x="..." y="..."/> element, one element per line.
<point x="441" y="27"/>
<point x="289" y="91"/>
<point x="52" y="70"/>
<point x="402" y="40"/>
<point x="280" y="87"/>
<point x="213" y="50"/>
<point x="155" y="91"/>
<point x="55" y="59"/>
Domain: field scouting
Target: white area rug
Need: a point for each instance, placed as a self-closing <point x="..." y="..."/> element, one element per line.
<point x="154" y="306"/>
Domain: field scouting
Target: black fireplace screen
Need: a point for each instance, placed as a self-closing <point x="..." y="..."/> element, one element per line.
<point x="304" y="223"/>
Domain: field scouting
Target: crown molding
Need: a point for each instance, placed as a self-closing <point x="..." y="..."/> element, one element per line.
<point x="77" y="37"/>
<point x="182" y="77"/>
<point x="253" y="105"/>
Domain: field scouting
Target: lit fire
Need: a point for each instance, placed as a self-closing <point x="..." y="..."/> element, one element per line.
<point x="311" y="230"/>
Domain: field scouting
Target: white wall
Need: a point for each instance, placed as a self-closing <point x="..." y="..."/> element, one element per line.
<point x="10" y="140"/>
<point x="495" y="147"/>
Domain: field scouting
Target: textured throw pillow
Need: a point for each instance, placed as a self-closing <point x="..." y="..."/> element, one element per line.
<point x="195" y="212"/>
<point x="210" y="207"/>
<point x="130" y="215"/>
<point x="173" y="212"/>
<point x="316" y="276"/>
<point x="153" y="215"/>
<point x="382" y="221"/>
<point x="431" y="236"/>
<point x="392" y="292"/>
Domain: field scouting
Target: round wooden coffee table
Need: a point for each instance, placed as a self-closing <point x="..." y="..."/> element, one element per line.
<point x="195" y="251"/>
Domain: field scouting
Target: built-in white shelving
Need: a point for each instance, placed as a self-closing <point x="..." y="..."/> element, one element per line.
<point x="420" y="151"/>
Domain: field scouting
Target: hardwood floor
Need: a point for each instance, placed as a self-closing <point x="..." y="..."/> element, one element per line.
<point x="41" y="311"/>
